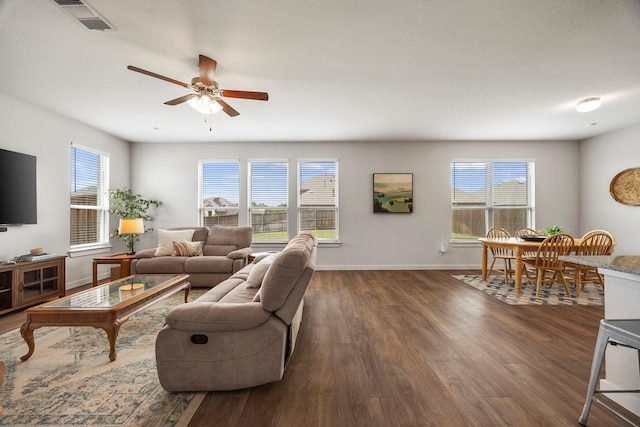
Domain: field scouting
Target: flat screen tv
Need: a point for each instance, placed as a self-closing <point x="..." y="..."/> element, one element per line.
<point x="18" y="192"/>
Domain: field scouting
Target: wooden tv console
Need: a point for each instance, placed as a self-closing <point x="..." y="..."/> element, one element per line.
<point x="31" y="282"/>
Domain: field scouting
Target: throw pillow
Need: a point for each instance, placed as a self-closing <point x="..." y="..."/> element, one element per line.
<point x="187" y="249"/>
<point x="258" y="271"/>
<point x="167" y="237"/>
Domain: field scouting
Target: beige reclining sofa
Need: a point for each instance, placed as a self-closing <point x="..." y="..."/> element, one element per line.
<point x="217" y="253"/>
<point x="242" y="332"/>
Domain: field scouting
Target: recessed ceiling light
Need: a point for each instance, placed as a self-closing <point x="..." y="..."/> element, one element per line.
<point x="588" y="104"/>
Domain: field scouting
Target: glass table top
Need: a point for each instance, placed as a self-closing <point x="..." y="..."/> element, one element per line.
<point x="109" y="295"/>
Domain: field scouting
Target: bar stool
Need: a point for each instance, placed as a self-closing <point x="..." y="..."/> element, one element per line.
<point x="626" y="333"/>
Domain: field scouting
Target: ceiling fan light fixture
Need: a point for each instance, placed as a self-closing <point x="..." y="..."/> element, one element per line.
<point x="588" y="104"/>
<point x="204" y="104"/>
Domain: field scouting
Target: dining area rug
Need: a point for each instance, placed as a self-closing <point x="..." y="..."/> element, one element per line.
<point x="69" y="380"/>
<point x="495" y="286"/>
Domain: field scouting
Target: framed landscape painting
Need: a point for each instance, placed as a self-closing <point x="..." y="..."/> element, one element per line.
<point x="392" y="192"/>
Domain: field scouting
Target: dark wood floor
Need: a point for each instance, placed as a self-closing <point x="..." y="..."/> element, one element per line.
<point x="419" y="348"/>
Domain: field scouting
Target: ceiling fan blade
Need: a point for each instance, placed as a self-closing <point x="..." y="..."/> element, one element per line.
<point x="227" y="108"/>
<point x="181" y="99"/>
<point x="259" y="96"/>
<point x="157" y="76"/>
<point x="207" y="70"/>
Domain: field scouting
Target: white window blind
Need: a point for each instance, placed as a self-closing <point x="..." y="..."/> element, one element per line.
<point x="219" y="192"/>
<point x="268" y="196"/>
<point x="490" y="194"/>
<point x="318" y="198"/>
<point x="88" y="198"/>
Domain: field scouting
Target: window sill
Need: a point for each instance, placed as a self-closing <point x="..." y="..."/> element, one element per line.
<point x="89" y="251"/>
<point x="464" y="243"/>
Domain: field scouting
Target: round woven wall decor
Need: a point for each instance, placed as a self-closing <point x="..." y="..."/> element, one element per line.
<point x="625" y="187"/>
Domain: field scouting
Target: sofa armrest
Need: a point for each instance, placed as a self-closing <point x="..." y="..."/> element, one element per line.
<point x="213" y="316"/>
<point x="146" y="253"/>
<point x="241" y="253"/>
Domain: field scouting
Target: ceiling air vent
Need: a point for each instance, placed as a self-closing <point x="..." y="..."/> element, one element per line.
<point x="84" y="14"/>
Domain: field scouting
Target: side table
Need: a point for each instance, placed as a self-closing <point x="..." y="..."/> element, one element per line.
<point x="122" y="259"/>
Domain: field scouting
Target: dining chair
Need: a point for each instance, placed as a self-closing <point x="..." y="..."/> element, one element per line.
<point x="504" y="254"/>
<point x="526" y="231"/>
<point x="520" y="233"/>
<point x="594" y="243"/>
<point x="548" y="267"/>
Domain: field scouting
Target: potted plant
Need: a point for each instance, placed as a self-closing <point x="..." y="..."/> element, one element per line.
<point x="549" y="231"/>
<point x="128" y="205"/>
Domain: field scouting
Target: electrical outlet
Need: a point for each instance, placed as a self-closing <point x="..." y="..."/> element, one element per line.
<point x="443" y="248"/>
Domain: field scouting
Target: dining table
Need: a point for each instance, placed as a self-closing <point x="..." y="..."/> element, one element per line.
<point x="519" y="246"/>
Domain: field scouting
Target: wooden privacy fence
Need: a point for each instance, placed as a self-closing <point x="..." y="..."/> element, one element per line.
<point x="267" y="222"/>
<point x="471" y="222"/>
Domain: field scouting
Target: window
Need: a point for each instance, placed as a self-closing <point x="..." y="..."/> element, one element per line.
<point x="318" y="198"/>
<point x="491" y="194"/>
<point x="268" y="200"/>
<point x="88" y="198"/>
<point x="219" y="192"/>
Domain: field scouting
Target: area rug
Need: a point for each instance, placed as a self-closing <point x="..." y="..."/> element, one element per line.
<point x="69" y="380"/>
<point x="554" y="295"/>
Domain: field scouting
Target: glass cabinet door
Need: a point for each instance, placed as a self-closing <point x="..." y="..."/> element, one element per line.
<point x="38" y="282"/>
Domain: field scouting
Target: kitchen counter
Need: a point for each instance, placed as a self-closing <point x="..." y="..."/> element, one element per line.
<point x="624" y="263"/>
<point x="621" y="301"/>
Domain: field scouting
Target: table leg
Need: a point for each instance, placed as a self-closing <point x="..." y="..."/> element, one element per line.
<point x="519" y="267"/>
<point x="125" y="268"/>
<point x="95" y="274"/>
<point x="186" y="292"/>
<point x="27" y="334"/>
<point x="112" y="334"/>
<point x="484" y="261"/>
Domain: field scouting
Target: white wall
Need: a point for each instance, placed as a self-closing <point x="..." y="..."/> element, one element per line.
<point x="169" y="172"/>
<point x="32" y="130"/>
<point x="601" y="158"/>
<point x="370" y="241"/>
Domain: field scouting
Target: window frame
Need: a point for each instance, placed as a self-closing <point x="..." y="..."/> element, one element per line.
<point x="488" y="206"/>
<point x="335" y="207"/>
<point x="201" y="189"/>
<point x="102" y="200"/>
<point x="285" y="209"/>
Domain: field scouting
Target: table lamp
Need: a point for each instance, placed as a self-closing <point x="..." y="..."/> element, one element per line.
<point x="131" y="226"/>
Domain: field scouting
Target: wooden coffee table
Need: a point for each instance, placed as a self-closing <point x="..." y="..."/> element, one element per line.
<point x="106" y="306"/>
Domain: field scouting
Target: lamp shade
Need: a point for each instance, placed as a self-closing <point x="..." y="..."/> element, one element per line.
<point x="204" y="104"/>
<point x="131" y="226"/>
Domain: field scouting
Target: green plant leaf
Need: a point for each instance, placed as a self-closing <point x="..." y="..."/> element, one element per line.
<point x="125" y="204"/>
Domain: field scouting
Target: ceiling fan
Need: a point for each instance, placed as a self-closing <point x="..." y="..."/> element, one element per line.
<point x="206" y="96"/>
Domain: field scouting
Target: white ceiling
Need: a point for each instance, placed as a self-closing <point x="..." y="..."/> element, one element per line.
<point x="334" y="69"/>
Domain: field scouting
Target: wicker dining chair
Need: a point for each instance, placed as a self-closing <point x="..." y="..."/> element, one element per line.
<point x="595" y="242"/>
<point x="547" y="266"/>
<point x="501" y="253"/>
